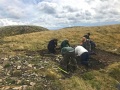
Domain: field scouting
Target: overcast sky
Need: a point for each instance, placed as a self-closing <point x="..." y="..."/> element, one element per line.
<point x="56" y="14"/>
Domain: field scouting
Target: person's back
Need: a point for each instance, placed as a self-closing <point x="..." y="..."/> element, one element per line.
<point x="82" y="55"/>
<point x="65" y="43"/>
<point x="80" y="50"/>
<point x="86" y="44"/>
<point x="52" y="45"/>
<point x="65" y="50"/>
<point x="93" y="45"/>
<point x="68" y="54"/>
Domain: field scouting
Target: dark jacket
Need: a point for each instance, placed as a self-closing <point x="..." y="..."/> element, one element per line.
<point x="52" y="45"/>
<point x="93" y="45"/>
<point x="87" y="45"/>
<point x="65" y="43"/>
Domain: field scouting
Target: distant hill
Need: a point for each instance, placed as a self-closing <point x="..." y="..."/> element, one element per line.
<point x="22" y="29"/>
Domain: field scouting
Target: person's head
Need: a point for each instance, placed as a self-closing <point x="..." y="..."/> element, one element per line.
<point x="88" y="34"/>
<point x="67" y="40"/>
<point x="55" y="39"/>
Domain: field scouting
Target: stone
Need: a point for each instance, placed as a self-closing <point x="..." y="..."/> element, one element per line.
<point x="1" y="80"/>
<point x="1" y="67"/>
<point x="17" y="88"/>
<point x="32" y="83"/>
<point x="18" y="67"/>
<point x="19" y="81"/>
<point x="30" y="65"/>
<point x="5" y="59"/>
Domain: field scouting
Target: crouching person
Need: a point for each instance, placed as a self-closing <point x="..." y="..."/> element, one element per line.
<point x="52" y="46"/>
<point x="82" y="55"/>
<point x="69" y="62"/>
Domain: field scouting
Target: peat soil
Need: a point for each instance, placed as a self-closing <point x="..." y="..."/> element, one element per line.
<point x="103" y="59"/>
<point x="99" y="60"/>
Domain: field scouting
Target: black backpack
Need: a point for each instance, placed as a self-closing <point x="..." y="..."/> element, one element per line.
<point x="87" y="45"/>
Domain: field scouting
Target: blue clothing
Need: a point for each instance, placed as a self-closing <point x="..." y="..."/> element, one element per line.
<point x="52" y="45"/>
<point x="84" y="58"/>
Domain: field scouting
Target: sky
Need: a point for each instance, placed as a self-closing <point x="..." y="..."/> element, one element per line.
<point x="57" y="14"/>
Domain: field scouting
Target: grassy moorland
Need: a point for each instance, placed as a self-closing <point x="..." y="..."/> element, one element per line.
<point x="106" y="37"/>
<point x="16" y="30"/>
<point x="42" y="73"/>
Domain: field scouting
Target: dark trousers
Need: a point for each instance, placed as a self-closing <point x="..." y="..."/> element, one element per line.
<point x="69" y="61"/>
<point x="83" y="59"/>
<point x="52" y="50"/>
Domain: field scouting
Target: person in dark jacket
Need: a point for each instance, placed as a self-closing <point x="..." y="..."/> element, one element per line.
<point x="65" y="43"/>
<point x="52" y="46"/>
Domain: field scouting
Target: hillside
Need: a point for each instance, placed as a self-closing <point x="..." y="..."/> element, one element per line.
<point x="22" y="29"/>
<point x="25" y="63"/>
<point x="107" y="38"/>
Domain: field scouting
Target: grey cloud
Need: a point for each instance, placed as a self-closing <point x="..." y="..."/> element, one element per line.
<point x="11" y="10"/>
<point x="107" y="11"/>
<point x="47" y="8"/>
<point x="89" y="1"/>
<point x="87" y="13"/>
<point x="104" y="0"/>
<point x="59" y="16"/>
<point x="84" y="15"/>
<point x="114" y="12"/>
<point x="70" y="9"/>
<point x="72" y="18"/>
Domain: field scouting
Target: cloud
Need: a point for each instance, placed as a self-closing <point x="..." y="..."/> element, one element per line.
<point x="5" y="22"/>
<point x="48" y="8"/>
<point x="58" y="13"/>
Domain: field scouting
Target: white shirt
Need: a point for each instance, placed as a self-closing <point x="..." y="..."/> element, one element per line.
<point x="80" y="50"/>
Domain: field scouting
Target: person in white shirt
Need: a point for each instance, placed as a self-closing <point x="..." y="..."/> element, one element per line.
<point x="82" y="55"/>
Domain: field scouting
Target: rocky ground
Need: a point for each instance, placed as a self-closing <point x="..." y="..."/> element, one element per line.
<point x="20" y="72"/>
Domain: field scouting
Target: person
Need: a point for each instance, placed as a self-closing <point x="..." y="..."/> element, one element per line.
<point x="52" y="46"/>
<point x="82" y="55"/>
<point x="69" y="62"/>
<point x="65" y="43"/>
<point x="86" y="44"/>
<point x="87" y="36"/>
<point x="93" y="47"/>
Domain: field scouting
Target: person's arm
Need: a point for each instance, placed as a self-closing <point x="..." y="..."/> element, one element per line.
<point x="63" y="51"/>
<point x="68" y="44"/>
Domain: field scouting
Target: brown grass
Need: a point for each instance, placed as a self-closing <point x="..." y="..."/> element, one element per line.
<point x="106" y="38"/>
